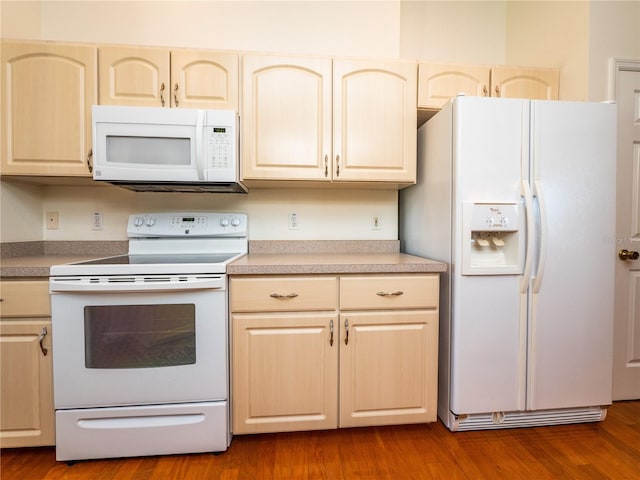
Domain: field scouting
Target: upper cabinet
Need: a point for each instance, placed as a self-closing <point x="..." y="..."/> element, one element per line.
<point x="440" y="82"/>
<point x="522" y="82"/>
<point x="158" y="77"/>
<point x="47" y="93"/>
<point x="330" y="121"/>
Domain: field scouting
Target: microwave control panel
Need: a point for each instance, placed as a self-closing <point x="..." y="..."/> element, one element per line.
<point x="221" y="147"/>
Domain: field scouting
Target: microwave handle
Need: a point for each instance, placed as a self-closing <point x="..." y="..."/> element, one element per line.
<point x="200" y="147"/>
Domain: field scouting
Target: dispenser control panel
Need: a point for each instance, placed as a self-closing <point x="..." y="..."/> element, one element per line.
<point x="494" y="217"/>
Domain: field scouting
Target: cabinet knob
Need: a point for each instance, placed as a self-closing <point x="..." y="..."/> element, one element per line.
<point x="162" y="94"/>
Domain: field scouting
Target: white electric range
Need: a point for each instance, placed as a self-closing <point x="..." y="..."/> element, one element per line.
<point x="140" y="344"/>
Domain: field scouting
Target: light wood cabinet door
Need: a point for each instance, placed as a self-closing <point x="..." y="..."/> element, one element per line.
<point x="388" y="367"/>
<point x="286" y="118"/>
<point x="26" y="367"/>
<point x="284" y="372"/>
<point x="521" y="82"/>
<point x="204" y="79"/>
<point x="438" y="83"/>
<point x="134" y="76"/>
<point x="47" y="93"/>
<point x="374" y="121"/>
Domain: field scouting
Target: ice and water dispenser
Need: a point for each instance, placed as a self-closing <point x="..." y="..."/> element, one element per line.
<point x="493" y="238"/>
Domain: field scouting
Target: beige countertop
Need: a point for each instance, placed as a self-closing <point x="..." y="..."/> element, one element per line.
<point x="332" y="263"/>
<point x="265" y="258"/>
<point x="37" y="265"/>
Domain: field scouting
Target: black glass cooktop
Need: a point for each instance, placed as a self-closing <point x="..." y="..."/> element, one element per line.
<point x="162" y="259"/>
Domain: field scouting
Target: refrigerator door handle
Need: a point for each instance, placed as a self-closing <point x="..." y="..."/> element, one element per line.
<point x="528" y="206"/>
<point x="542" y="257"/>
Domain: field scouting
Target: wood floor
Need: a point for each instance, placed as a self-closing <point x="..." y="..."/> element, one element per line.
<point x="609" y="449"/>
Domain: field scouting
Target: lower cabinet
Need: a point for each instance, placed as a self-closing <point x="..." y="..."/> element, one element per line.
<point x="26" y="378"/>
<point x="324" y="352"/>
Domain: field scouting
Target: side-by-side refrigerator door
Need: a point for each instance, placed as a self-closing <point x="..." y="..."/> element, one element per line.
<point x="489" y="306"/>
<point x="571" y="326"/>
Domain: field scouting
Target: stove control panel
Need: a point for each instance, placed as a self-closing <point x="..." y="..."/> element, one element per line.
<point x="187" y="224"/>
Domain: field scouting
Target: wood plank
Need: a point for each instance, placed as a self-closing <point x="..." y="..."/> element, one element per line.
<point x="609" y="449"/>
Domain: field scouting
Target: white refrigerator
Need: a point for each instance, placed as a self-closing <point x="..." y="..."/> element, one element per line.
<point x="518" y="197"/>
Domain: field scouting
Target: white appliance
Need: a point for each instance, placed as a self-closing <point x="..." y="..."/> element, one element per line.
<point x="140" y="353"/>
<point x="166" y="149"/>
<point x="518" y="197"/>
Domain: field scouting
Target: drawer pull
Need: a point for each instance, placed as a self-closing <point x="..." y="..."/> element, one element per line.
<point x="279" y="295"/>
<point x="392" y="294"/>
<point x="43" y="333"/>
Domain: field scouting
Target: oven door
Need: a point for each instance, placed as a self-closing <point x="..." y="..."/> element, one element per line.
<point x="139" y="340"/>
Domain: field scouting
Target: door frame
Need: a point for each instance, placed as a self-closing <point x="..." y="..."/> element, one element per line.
<point x="617" y="65"/>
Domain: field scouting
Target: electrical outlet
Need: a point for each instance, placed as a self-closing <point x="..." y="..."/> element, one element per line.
<point x="97" y="223"/>
<point x="52" y="221"/>
<point x="293" y="221"/>
<point x="375" y="223"/>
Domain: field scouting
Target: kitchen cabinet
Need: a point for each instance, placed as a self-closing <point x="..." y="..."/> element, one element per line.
<point x="284" y="362"/>
<point x="159" y="77"/>
<point x="437" y="83"/>
<point x="47" y="93"/>
<point x="324" y="352"/>
<point x="26" y="373"/>
<point x="389" y="349"/>
<point x="329" y="121"/>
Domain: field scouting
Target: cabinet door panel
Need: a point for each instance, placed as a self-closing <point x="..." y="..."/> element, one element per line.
<point x="26" y="390"/>
<point x="374" y="121"/>
<point x="388" y="368"/>
<point x="46" y="108"/>
<point x="202" y="79"/>
<point x="519" y="82"/>
<point x="438" y="83"/>
<point x="134" y="76"/>
<point x="286" y="115"/>
<point x="285" y="372"/>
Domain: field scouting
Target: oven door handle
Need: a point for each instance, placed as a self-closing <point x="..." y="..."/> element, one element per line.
<point x="173" y="284"/>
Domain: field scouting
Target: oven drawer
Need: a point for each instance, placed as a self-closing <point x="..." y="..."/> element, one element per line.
<point x="389" y="292"/>
<point x="137" y="431"/>
<point x="279" y="294"/>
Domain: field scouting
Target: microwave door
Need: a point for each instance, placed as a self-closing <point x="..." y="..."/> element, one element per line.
<point x="143" y="152"/>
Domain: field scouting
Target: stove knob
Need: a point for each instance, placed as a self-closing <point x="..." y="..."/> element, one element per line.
<point x="224" y="221"/>
<point x="138" y="221"/>
<point x="235" y="221"/>
<point x="150" y="221"/>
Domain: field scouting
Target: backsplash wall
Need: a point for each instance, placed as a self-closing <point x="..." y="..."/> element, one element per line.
<point x="322" y="214"/>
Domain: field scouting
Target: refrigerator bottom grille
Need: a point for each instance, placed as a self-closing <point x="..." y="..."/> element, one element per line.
<point x="499" y="420"/>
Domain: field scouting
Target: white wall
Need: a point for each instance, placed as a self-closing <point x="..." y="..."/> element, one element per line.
<point x="576" y="36"/>
<point x="552" y="34"/>
<point x="21" y="217"/>
<point x="323" y="214"/>
<point x="614" y="32"/>
<point x="340" y="28"/>
<point x="453" y="31"/>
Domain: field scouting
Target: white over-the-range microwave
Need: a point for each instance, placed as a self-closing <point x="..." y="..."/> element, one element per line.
<point x="166" y="149"/>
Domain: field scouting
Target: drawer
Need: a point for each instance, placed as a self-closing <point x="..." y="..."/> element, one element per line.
<point x="279" y="294"/>
<point x="389" y="292"/>
<point x="25" y="298"/>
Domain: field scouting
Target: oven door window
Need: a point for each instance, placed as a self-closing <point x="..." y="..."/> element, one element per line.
<point x="140" y="336"/>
